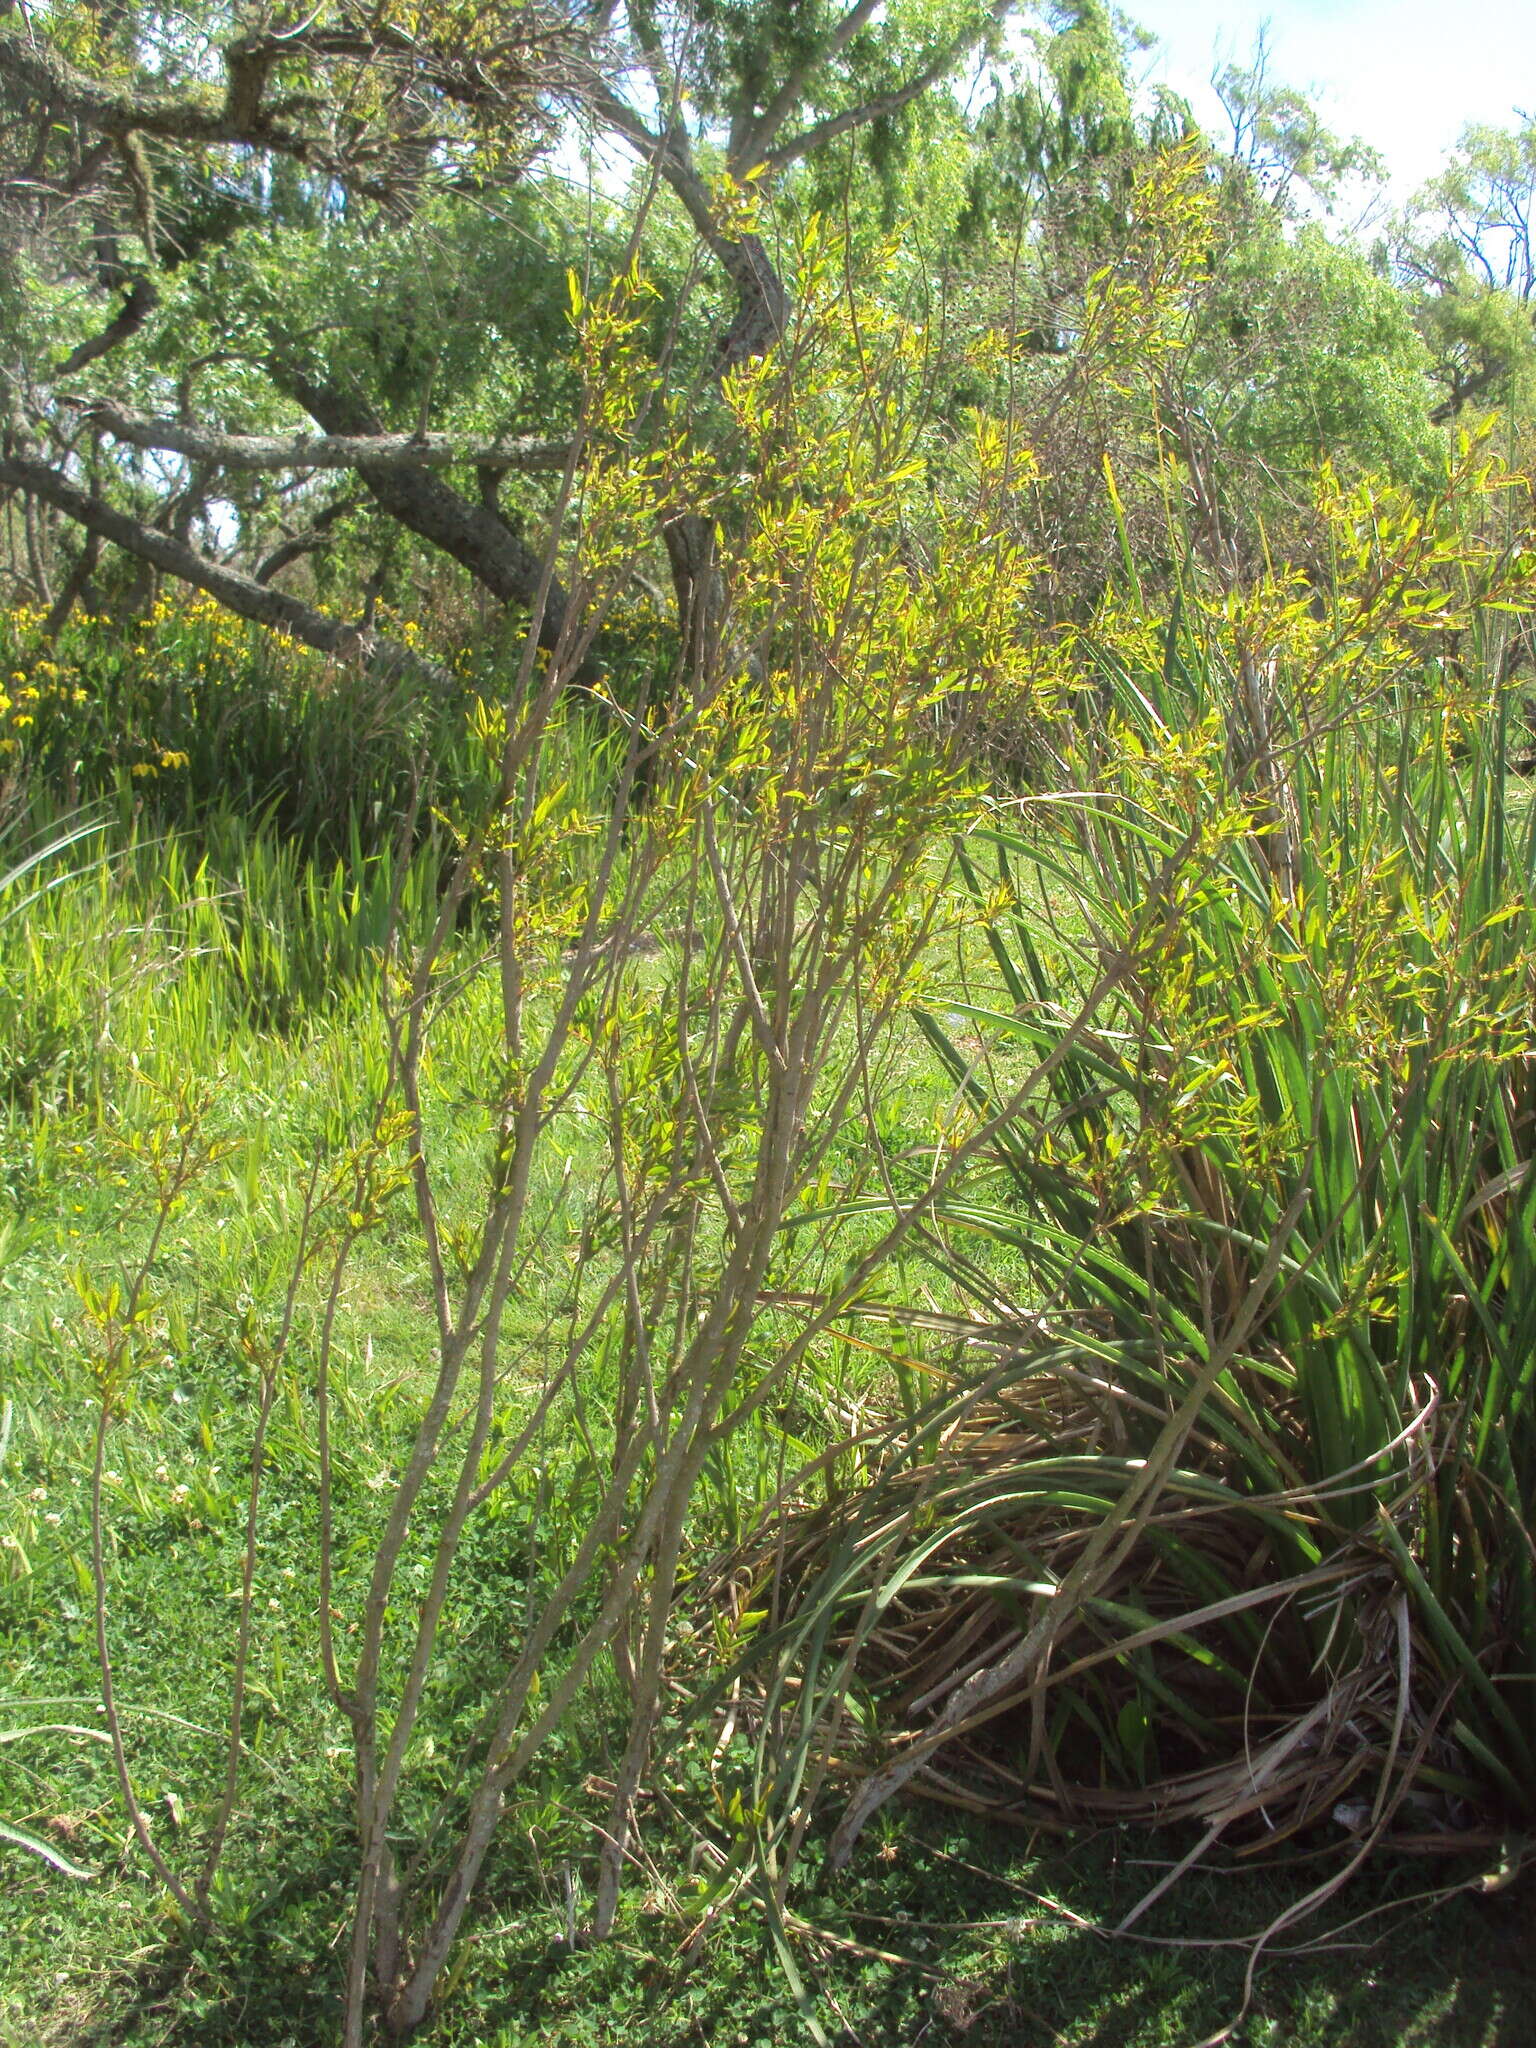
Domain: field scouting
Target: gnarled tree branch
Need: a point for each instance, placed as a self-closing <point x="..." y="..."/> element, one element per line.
<point x="880" y="108"/>
<point x="44" y="76"/>
<point x="298" y="545"/>
<point x="140" y="301"/>
<point x="239" y="593"/>
<point x="478" y="540"/>
<point x="325" y="451"/>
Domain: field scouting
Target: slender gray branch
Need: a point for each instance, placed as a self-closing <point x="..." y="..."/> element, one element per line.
<point x="316" y="536"/>
<point x="321" y="451"/>
<point x="754" y="145"/>
<point x="239" y="593"/>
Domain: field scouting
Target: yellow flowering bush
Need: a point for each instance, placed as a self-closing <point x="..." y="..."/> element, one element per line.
<point x="186" y="708"/>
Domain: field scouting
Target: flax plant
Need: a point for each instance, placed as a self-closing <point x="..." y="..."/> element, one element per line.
<point x="1231" y="1524"/>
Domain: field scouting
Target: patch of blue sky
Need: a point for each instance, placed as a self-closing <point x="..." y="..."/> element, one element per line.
<point x="1405" y="75"/>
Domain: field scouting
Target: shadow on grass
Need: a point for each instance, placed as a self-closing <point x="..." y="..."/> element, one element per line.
<point x="993" y="1957"/>
<point x="1459" y="1974"/>
<point x="939" y="1936"/>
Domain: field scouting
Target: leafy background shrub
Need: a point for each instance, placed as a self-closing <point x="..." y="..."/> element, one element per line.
<point x="186" y="715"/>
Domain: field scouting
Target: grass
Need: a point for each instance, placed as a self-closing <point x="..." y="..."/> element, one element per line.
<point x="193" y="713"/>
<point x="949" y="1934"/>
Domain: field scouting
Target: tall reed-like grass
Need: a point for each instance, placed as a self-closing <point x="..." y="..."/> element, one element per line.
<point x="118" y="945"/>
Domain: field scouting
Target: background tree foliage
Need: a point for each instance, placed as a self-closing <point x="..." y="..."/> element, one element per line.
<point x="285" y="312"/>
